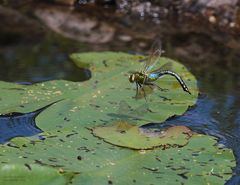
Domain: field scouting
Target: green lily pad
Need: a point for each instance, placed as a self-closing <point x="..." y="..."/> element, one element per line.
<point x="102" y="93"/>
<point x="198" y="163"/>
<point x="22" y="174"/>
<point x="70" y="147"/>
<point x="126" y="135"/>
<point x="96" y="162"/>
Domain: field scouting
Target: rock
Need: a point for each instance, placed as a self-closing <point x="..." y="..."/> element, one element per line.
<point x="135" y="24"/>
<point x="125" y="38"/>
<point x="75" y="25"/>
<point x="217" y="3"/>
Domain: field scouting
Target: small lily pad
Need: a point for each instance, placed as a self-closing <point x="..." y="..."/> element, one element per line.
<point x="126" y="135"/>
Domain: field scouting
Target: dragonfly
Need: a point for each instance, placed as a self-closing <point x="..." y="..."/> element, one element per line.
<point x="148" y="77"/>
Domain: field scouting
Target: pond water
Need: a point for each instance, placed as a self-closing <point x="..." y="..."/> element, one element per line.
<point x="216" y="113"/>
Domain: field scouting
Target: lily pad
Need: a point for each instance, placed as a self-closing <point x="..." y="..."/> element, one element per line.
<point x="197" y="163"/>
<point x="96" y="162"/>
<point x="102" y="93"/>
<point x="68" y="146"/>
<point x="126" y="135"/>
<point x="32" y="174"/>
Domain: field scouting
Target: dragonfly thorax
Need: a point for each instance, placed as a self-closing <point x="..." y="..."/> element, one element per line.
<point x="137" y="77"/>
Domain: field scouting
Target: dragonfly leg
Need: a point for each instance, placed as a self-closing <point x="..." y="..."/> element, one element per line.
<point x="136" y="90"/>
<point x="161" y="89"/>
<point x="155" y="85"/>
<point x="144" y="80"/>
<point x="151" y="86"/>
<point x="144" y="93"/>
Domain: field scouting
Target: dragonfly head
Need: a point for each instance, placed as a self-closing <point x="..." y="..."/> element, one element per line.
<point x="132" y="78"/>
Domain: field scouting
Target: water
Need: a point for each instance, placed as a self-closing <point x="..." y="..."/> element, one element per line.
<point x="20" y="125"/>
<point x="216" y="113"/>
<point x="48" y="59"/>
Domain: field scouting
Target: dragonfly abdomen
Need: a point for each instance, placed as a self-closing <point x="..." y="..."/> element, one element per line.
<point x="159" y="74"/>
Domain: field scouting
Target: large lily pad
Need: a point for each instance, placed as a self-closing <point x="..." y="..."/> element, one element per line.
<point x="103" y="92"/>
<point x="95" y="162"/>
<point x="70" y="147"/>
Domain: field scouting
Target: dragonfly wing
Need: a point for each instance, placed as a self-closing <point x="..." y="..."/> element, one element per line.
<point x="143" y="91"/>
<point x="164" y="67"/>
<point x="155" y="54"/>
<point x="155" y="73"/>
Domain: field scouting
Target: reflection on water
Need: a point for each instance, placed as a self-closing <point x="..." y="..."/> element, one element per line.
<point x="43" y="61"/>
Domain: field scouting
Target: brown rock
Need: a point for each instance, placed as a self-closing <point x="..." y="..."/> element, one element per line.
<point x="75" y="25"/>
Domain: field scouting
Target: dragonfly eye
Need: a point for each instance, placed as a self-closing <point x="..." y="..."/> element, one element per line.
<point x="132" y="78"/>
